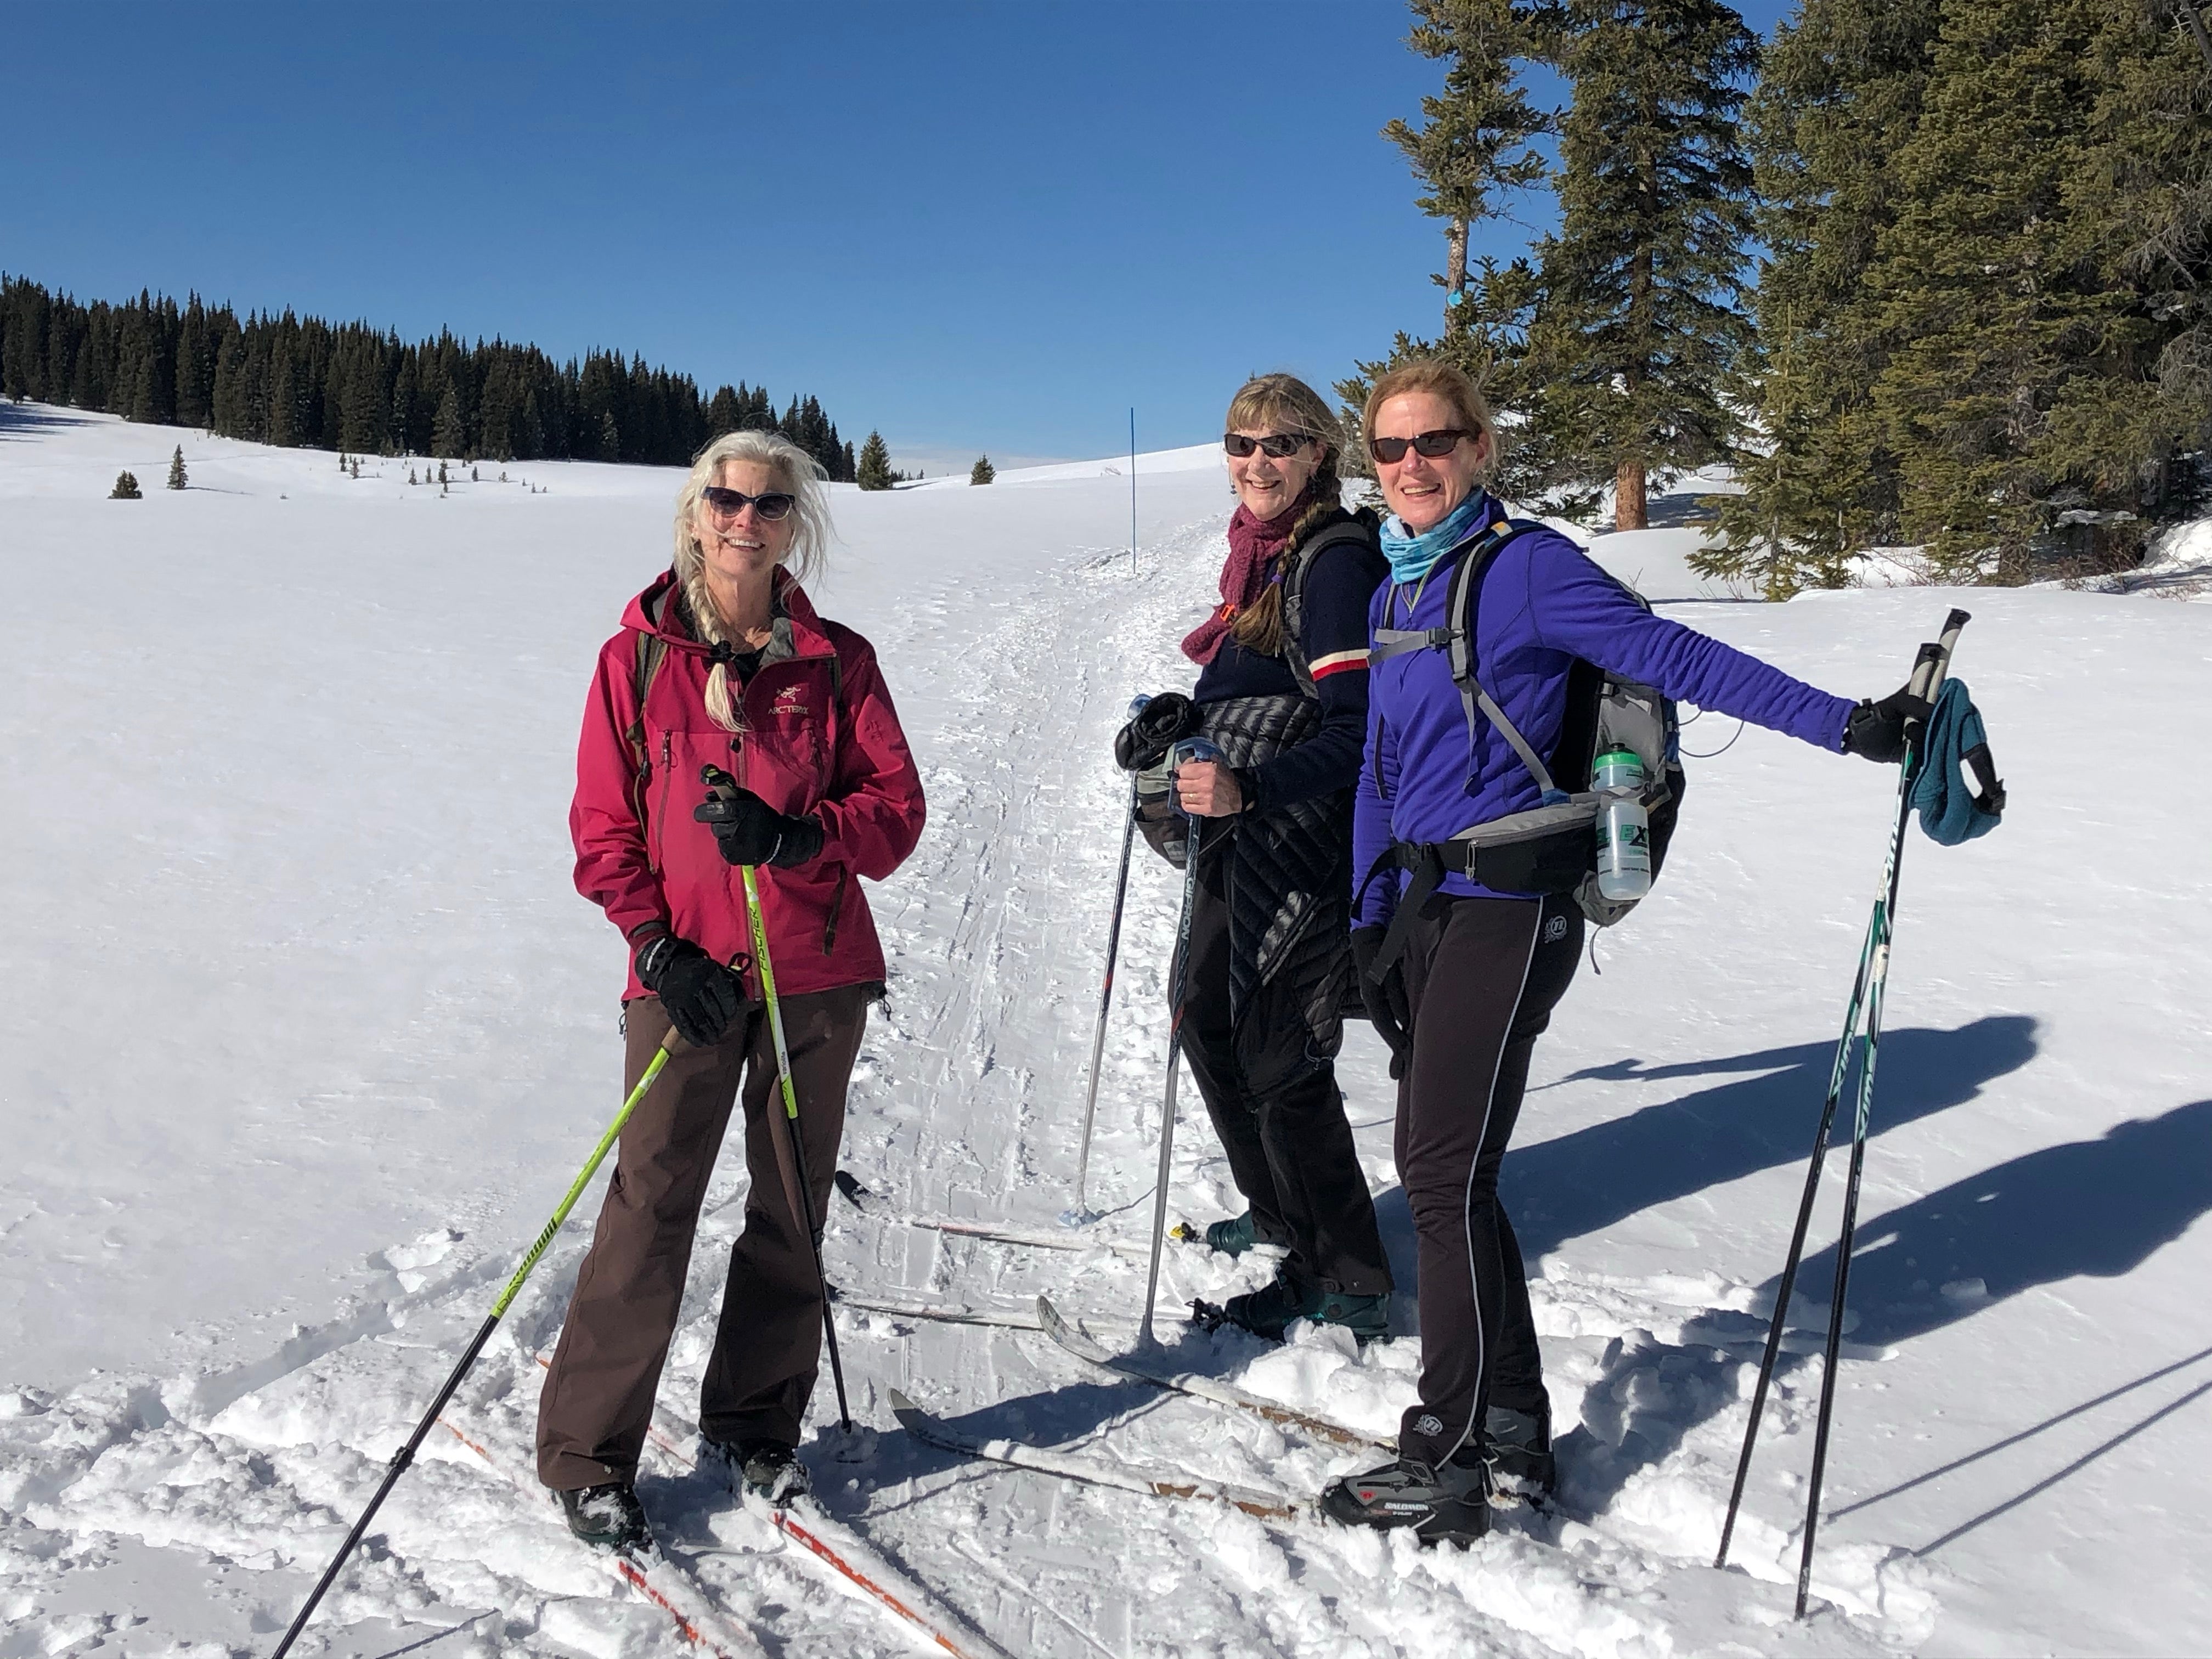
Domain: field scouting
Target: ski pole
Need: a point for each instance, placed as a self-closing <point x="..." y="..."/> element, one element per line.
<point x="1189" y="750"/>
<point x="1927" y="676"/>
<point x="1874" y="956"/>
<point x="721" y="783"/>
<point x="1082" y="1211"/>
<point x="405" y="1455"/>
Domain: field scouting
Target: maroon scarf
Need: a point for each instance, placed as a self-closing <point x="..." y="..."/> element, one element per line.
<point x="1253" y="546"/>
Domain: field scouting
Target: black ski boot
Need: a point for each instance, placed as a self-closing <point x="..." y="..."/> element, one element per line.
<point x="1519" y="1447"/>
<point x="766" y="1468"/>
<point x="1270" y="1311"/>
<point x="607" y="1517"/>
<point x="1446" y="1506"/>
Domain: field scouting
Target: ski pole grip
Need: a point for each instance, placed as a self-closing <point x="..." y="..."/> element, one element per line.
<point x="1182" y="752"/>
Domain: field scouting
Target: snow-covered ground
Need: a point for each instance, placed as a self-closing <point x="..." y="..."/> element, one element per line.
<point x="304" y="1032"/>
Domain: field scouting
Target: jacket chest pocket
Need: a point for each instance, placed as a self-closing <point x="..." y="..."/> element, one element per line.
<point x="788" y="755"/>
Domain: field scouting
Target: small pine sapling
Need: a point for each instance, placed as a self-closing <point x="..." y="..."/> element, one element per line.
<point x="126" y="489"/>
<point x="177" y="468"/>
<point x="982" y="473"/>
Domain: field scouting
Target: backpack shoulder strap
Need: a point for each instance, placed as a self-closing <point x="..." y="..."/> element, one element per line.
<point x="1352" y="529"/>
<point x="1461" y="606"/>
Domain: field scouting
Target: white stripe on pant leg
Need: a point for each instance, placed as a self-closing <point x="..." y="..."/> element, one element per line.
<point x="1467" y="1206"/>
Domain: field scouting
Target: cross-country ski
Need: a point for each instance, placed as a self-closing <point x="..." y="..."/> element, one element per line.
<point x="1106" y="833"/>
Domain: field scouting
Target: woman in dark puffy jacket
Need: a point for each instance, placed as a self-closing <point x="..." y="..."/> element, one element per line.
<point x="723" y="663"/>
<point x="1462" y="978"/>
<point x="1282" y="690"/>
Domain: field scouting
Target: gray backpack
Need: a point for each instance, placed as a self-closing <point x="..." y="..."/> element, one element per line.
<point x="1552" y="847"/>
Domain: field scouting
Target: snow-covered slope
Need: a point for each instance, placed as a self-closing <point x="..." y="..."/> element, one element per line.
<point x="305" y="1031"/>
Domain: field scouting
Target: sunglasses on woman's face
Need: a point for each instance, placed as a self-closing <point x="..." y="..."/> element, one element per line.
<point x="1278" y="446"/>
<point x="1391" y="451"/>
<point x="728" y="503"/>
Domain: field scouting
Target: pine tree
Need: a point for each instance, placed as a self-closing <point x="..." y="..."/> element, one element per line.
<point x="982" y="473"/>
<point x="2024" y="356"/>
<point x="447" y="435"/>
<point x="126" y="489"/>
<point x="410" y="474"/>
<point x="1479" y="138"/>
<point x="1640" y="325"/>
<point x="1477" y="144"/>
<point x="442" y="475"/>
<point x="177" y="468"/>
<point x="875" y="469"/>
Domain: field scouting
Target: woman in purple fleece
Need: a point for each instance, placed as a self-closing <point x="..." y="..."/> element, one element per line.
<point x="1477" y="972"/>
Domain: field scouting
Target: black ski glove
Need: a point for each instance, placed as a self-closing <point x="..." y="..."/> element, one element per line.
<point x="702" y="996"/>
<point x="1387" y="1008"/>
<point x="750" y="831"/>
<point x="1146" y="740"/>
<point x="1876" y="730"/>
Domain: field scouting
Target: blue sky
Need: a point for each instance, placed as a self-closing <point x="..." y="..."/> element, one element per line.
<point x="974" y="226"/>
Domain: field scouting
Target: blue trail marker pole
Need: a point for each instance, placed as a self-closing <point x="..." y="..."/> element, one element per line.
<point x="1132" y="490"/>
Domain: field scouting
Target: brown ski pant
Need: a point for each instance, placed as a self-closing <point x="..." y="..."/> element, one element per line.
<point x="598" y="1398"/>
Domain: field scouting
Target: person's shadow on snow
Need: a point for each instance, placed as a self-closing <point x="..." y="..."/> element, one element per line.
<point x="2097" y="1208"/>
<point x="1594" y="1178"/>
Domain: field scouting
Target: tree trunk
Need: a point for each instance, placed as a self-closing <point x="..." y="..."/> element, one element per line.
<point x="1628" y="505"/>
<point x="1455" y="265"/>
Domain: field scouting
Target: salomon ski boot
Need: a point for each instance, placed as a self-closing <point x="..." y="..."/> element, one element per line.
<point x="766" y="1468"/>
<point x="1518" y="1446"/>
<point x="607" y="1517"/>
<point x="1443" y="1505"/>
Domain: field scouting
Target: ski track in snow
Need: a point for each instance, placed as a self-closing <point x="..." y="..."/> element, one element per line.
<point x="966" y="1102"/>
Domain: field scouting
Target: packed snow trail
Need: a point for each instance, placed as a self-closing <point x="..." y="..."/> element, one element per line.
<point x="430" y="1047"/>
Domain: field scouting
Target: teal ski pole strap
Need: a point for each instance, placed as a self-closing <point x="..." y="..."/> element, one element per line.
<point x="1950" y="812"/>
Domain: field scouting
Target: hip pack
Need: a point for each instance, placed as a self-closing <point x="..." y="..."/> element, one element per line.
<point x="1552" y="847"/>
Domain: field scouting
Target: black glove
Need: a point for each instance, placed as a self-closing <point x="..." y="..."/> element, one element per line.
<point x="750" y="831"/>
<point x="1387" y="1008"/>
<point x="702" y="996"/>
<point x="1146" y="740"/>
<point x="1876" y="730"/>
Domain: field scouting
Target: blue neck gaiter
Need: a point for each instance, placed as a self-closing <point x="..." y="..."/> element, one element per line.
<point x="1411" y="557"/>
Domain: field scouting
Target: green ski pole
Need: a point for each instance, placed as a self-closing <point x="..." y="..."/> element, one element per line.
<point x="722" y="785"/>
<point x="405" y="1455"/>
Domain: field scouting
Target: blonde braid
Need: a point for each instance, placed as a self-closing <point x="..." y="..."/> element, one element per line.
<point x="706" y="625"/>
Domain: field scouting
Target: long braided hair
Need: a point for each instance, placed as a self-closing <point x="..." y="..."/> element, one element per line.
<point x="1284" y="402"/>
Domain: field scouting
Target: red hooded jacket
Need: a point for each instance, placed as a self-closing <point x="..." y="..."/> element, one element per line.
<point x="815" y="741"/>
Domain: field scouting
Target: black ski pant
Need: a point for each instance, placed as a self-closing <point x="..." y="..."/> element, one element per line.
<point x="1290" y="1147"/>
<point x="1482" y="976"/>
<point x="596" y="1403"/>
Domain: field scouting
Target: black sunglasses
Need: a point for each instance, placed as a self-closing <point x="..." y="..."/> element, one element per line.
<point x="729" y="503"/>
<point x="1391" y="451"/>
<point x="1278" y="445"/>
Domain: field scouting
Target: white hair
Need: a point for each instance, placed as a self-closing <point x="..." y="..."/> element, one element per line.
<point x="800" y="474"/>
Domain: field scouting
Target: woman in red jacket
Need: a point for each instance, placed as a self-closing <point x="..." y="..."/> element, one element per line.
<point x="722" y="661"/>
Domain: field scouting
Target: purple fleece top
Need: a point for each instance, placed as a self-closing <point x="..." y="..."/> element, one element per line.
<point x="1544" y="602"/>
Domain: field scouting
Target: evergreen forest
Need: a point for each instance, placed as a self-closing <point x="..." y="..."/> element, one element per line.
<point x="303" y="382"/>
<point x="1933" y="276"/>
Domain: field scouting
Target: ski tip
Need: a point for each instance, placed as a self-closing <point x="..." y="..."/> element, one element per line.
<point x="1183" y="1233"/>
<point x="855" y="1194"/>
<point x="911" y="1417"/>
